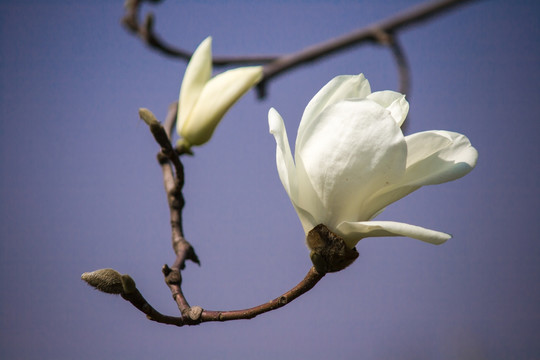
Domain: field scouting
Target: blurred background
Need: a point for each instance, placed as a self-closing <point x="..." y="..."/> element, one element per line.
<point x="80" y="188"/>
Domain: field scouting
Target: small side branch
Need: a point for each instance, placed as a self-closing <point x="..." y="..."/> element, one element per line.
<point x="402" y="65"/>
<point x="390" y="40"/>
<point x="146" y="33"/>
<point x="137" y="300"/>
<point x="173" y="182"/>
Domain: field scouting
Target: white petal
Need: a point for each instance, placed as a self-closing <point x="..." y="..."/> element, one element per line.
<point x="352" y="232"/>
<point x="286" y="168"/>
<point x="197" y="74"/>
<point x="284" y="159"/>
<point x="353" y="149"/>
<point x="216" y="98"/>
<point x="338" y="89"/>
<point x="424" y="144"/>
<point x="434" y="157"/>
<point x="308" y="198"/>
<point x="393" y="102"/>
<point x="454" y="157"/>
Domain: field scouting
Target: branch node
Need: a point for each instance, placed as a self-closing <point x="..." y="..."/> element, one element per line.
<point x="173" y="277"/>
<point x="162" y="158"/>
<point x="194" y="313"/>
<point x="383" y="37"/>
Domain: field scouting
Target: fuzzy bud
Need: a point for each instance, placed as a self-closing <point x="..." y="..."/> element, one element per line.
<point x="106" y="280"/>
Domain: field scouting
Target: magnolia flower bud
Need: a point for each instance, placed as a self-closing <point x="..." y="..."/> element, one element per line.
<point x="148" y="117"/>
<point x="203" y="100"/>
<point x="107" y="280"/>
<point x="110" y="281"/>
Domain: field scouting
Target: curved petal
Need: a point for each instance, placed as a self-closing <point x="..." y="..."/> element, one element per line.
<point x="284" y="159"/>
<point x="434" y="157"/>
<point x="338" y="89"/>
<point x="393" y="102"/>
<point x="286" y="169"/>
<point x="450" y="162"/>
<point x="197" y="74"/>
<point x="308" y="198"/>
<point x="216" y="98"/>
<point x="352" y="232"/>
<point x="353" y="149"/>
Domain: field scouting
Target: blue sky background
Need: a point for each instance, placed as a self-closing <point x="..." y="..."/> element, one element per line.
<point x="80" y="188"/>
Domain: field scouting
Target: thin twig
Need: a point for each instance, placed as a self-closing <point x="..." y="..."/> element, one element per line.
<point x="311" y="279"/>
<point x="196" y="315"/>
<point x="137" y="300"/>
<point x="146" y="33"/>
<point x="277" y="64"/>
<point x="389" y="40"/>
<point x="366" y="34"/>
<point x="173" y="182"/>
<point x="402" y="65"/>
<point x="173" y="187"/>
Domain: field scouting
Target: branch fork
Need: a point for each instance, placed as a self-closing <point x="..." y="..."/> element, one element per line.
<point x="383" y="32"/>
<point x="109" y="280"/>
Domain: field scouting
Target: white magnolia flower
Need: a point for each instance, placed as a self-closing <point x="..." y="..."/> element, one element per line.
<point x="352" y="160"/>
<point x="203" y="100"/>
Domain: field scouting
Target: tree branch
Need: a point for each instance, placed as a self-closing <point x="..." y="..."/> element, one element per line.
<point x="184" y="250"/>
<point x="196" y="315"/>
<point x="278" y="64"/>
<point x="137" y="300"/>
<point x="389" y="40"/>
<point x="370" y="33"/>
<point x="146" y="33"/>
<point x="311" y="279"/>
<point x="173" y="187"/>
<point x="173" y="182"/>
<point x="108" y="280"/>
